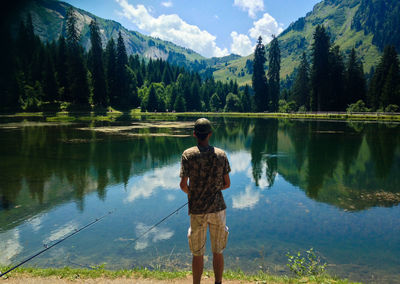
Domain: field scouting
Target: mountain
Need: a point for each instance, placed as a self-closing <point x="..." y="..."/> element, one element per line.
<point x="366" y="25"/>
<point x="49" y="21"/>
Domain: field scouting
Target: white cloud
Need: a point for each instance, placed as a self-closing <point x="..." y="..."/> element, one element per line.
<point x="252" y="6"/>
<point x="265" y="27"/>
<point x="241" y="44"/>
<point x="247" y="199"/>
<point x="9" y="246"/>
<point x="154" y="235"/>
<point x="61" y="232"/>
<point x="172" y="28"/>
<point x="239" y="161"/>
<point x="166" y="178"/>
<point x="167" y="4"/>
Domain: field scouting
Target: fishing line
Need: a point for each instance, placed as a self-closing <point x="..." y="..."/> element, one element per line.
<point x="56" y="243"/>
<point x="156" y="224"/>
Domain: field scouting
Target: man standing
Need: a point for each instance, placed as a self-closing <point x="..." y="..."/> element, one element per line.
<point x="206" y="168"/>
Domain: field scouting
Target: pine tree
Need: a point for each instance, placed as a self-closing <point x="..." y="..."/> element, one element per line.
<point x="77" y="72"/>
<point x="301" y="87"/>
<point x="320" y="83"/>
<point x="259" y="80"/>
<point x="355" y="85"/>
<point x="334" y="99"/>
<point x="49" y="83"/>
<point x="274" y="60"/>
<point x="97" y="66"/>
<point x="180" y="105"/>
<point x="121" y="76"/>
<point x="61" y="68"/>
<point x="246" y="100"/>
<point x="152" y="101"/>
<point x="389" y="63"/>
<point x="195" y="95"/>
<point x="111" y="58"/>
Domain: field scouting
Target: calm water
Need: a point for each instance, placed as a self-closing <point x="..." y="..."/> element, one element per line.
<point x="333" y="186"/>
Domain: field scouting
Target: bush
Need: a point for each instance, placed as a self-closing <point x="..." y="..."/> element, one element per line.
<point x="392" y="108"/>
<point x="286" y="107"/>
<point x="359" y="106"/>
<point x="302" y="109"/>
<point x="309" y="265"/>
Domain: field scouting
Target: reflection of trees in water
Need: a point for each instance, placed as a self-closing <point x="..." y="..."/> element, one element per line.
<point x="382" y="141"/>
<point x="76" y="162"/>
<point x="264" y="149"/>
<point x="338" y="165"/>
<point x="358" y="157"/>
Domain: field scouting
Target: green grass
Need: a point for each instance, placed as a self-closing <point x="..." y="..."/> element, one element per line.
<point x="100" y="272"/>
<point x="136" y="114"/>
<point x="321" y="116"/>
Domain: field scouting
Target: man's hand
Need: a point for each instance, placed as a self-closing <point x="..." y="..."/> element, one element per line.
<point x="227" y="182"/>
<point x="184" y="185"/>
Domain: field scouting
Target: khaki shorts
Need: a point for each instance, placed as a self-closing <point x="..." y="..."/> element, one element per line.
<point x="197" y="233"/>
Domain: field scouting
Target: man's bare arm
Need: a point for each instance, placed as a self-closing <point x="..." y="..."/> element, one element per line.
<point x="227" y="182"/>
<point x="184" y="185"/>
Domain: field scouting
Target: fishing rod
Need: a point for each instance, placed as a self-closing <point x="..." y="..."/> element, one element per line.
<point x="158" y="223"/>
<point x="56" y="243"/>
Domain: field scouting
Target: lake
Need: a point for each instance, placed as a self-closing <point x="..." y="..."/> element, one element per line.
<point x="333" y="186"/>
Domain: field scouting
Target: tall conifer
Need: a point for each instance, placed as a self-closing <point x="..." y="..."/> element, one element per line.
<point x="320" y="83"/>
<point x="97" y="66"/>
<point x="274" y="67"/>
<point x="259" y="80"/>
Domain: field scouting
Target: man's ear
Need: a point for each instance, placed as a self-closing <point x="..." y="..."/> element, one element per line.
<point x="194" y="134"/>
<point x="209" y="134"/>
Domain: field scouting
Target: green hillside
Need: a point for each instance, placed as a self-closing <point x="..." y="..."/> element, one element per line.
<point x="49" y="20"/>
<point x="366" y="25"/>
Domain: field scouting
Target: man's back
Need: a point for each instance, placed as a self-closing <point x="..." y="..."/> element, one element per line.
<point x="205" y="168"/>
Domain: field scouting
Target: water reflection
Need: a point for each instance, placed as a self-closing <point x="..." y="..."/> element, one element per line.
<point x="55" y="179"/>
<point x="352" y="166"/>
<point x="9" y="246"/>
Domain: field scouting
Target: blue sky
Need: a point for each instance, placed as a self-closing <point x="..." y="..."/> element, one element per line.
<point x="209" y="27"/>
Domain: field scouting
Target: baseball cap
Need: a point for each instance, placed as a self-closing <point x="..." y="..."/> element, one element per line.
<point x="202" y="126"/>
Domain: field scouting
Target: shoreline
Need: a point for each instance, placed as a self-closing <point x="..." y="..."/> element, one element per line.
<point x="143" y="275"/>
<point x="111" y="115"/>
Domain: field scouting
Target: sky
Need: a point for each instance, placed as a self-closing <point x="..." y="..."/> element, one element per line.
<point x="213" y="28"/>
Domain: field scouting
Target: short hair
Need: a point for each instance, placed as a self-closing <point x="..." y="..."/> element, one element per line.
<point x="201" y="136"/>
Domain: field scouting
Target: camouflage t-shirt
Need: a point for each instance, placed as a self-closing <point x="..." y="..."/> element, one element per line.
<point x="206" y="169"/>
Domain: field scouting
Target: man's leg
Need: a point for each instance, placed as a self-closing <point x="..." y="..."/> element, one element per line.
<point x="197" y="268"/>
<point x="218" y="265"/>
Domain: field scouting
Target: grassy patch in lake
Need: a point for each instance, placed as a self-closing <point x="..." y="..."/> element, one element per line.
<point x="140" y="129"/>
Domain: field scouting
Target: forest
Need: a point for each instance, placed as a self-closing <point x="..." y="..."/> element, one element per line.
<point x="62" y="76"/>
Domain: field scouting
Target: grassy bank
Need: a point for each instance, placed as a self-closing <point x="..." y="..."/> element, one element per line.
<point x="100" y="272"/>
<point x="136" y="114"/>
<point x="313" y="116"/>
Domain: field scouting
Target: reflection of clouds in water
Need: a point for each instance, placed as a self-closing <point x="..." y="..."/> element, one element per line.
<point x="240" y="161"/>
<point x="247" y="199"/>
<point x="263" y="181"/>
<point x="36" y="223"/>
<point x="155" y="235"/>
<point x="9" y="246"/>
<point x="166" y="177"/>
<point x="61" y="232"/>
<point x="171" y="197"/>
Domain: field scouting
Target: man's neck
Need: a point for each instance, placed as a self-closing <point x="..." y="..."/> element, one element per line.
<point x="203" y="144"/>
